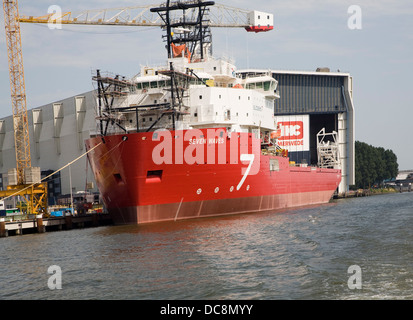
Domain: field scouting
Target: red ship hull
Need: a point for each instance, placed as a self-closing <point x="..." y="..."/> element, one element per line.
<point x="144" y="177"/>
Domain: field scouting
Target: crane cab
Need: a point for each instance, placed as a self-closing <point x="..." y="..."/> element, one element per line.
<point x="260" y="21"/>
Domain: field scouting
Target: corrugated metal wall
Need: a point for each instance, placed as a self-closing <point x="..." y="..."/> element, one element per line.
<point x="307" y="94"/>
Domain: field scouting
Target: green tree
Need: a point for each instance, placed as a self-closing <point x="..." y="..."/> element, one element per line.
<point x="374" y="165"/>
<point x="392" y="167"/>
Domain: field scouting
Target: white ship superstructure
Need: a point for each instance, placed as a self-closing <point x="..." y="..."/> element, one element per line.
<point x="213" y="95"/>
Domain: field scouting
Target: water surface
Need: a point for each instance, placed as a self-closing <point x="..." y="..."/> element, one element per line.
<point x="294" y="254"/>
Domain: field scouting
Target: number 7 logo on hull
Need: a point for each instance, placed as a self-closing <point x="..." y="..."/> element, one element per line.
<point x="250" y="158"/>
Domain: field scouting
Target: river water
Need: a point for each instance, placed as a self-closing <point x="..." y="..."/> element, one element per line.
<point x="359" y="248"/>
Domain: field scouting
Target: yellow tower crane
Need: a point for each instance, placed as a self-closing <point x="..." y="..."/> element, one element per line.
<point x="24" y="179"/>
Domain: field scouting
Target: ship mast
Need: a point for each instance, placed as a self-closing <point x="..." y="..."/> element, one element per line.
<point x="188" y="34"/>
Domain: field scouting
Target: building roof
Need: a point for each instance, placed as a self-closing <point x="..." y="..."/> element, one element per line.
<point x="298" y="72"/>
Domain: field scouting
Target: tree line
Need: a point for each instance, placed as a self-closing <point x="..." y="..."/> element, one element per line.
<point x="373" y="165"/>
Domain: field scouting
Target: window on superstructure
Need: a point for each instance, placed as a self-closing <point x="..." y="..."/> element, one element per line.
<point x="154" y="84"/>
<point x="267" y="85"/>
<point x="200" y="97"/>
<point x="139" y="86"/>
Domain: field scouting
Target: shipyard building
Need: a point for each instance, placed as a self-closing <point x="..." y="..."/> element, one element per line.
<point x="309" y="103"/>
<point x="57" y="133"/>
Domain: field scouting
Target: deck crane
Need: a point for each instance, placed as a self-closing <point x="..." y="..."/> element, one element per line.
<point x="146" y="16"/>
<point x="24" y="180"/>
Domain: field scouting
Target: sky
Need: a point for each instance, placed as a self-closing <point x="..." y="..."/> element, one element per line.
<point x="307" y="34"/>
